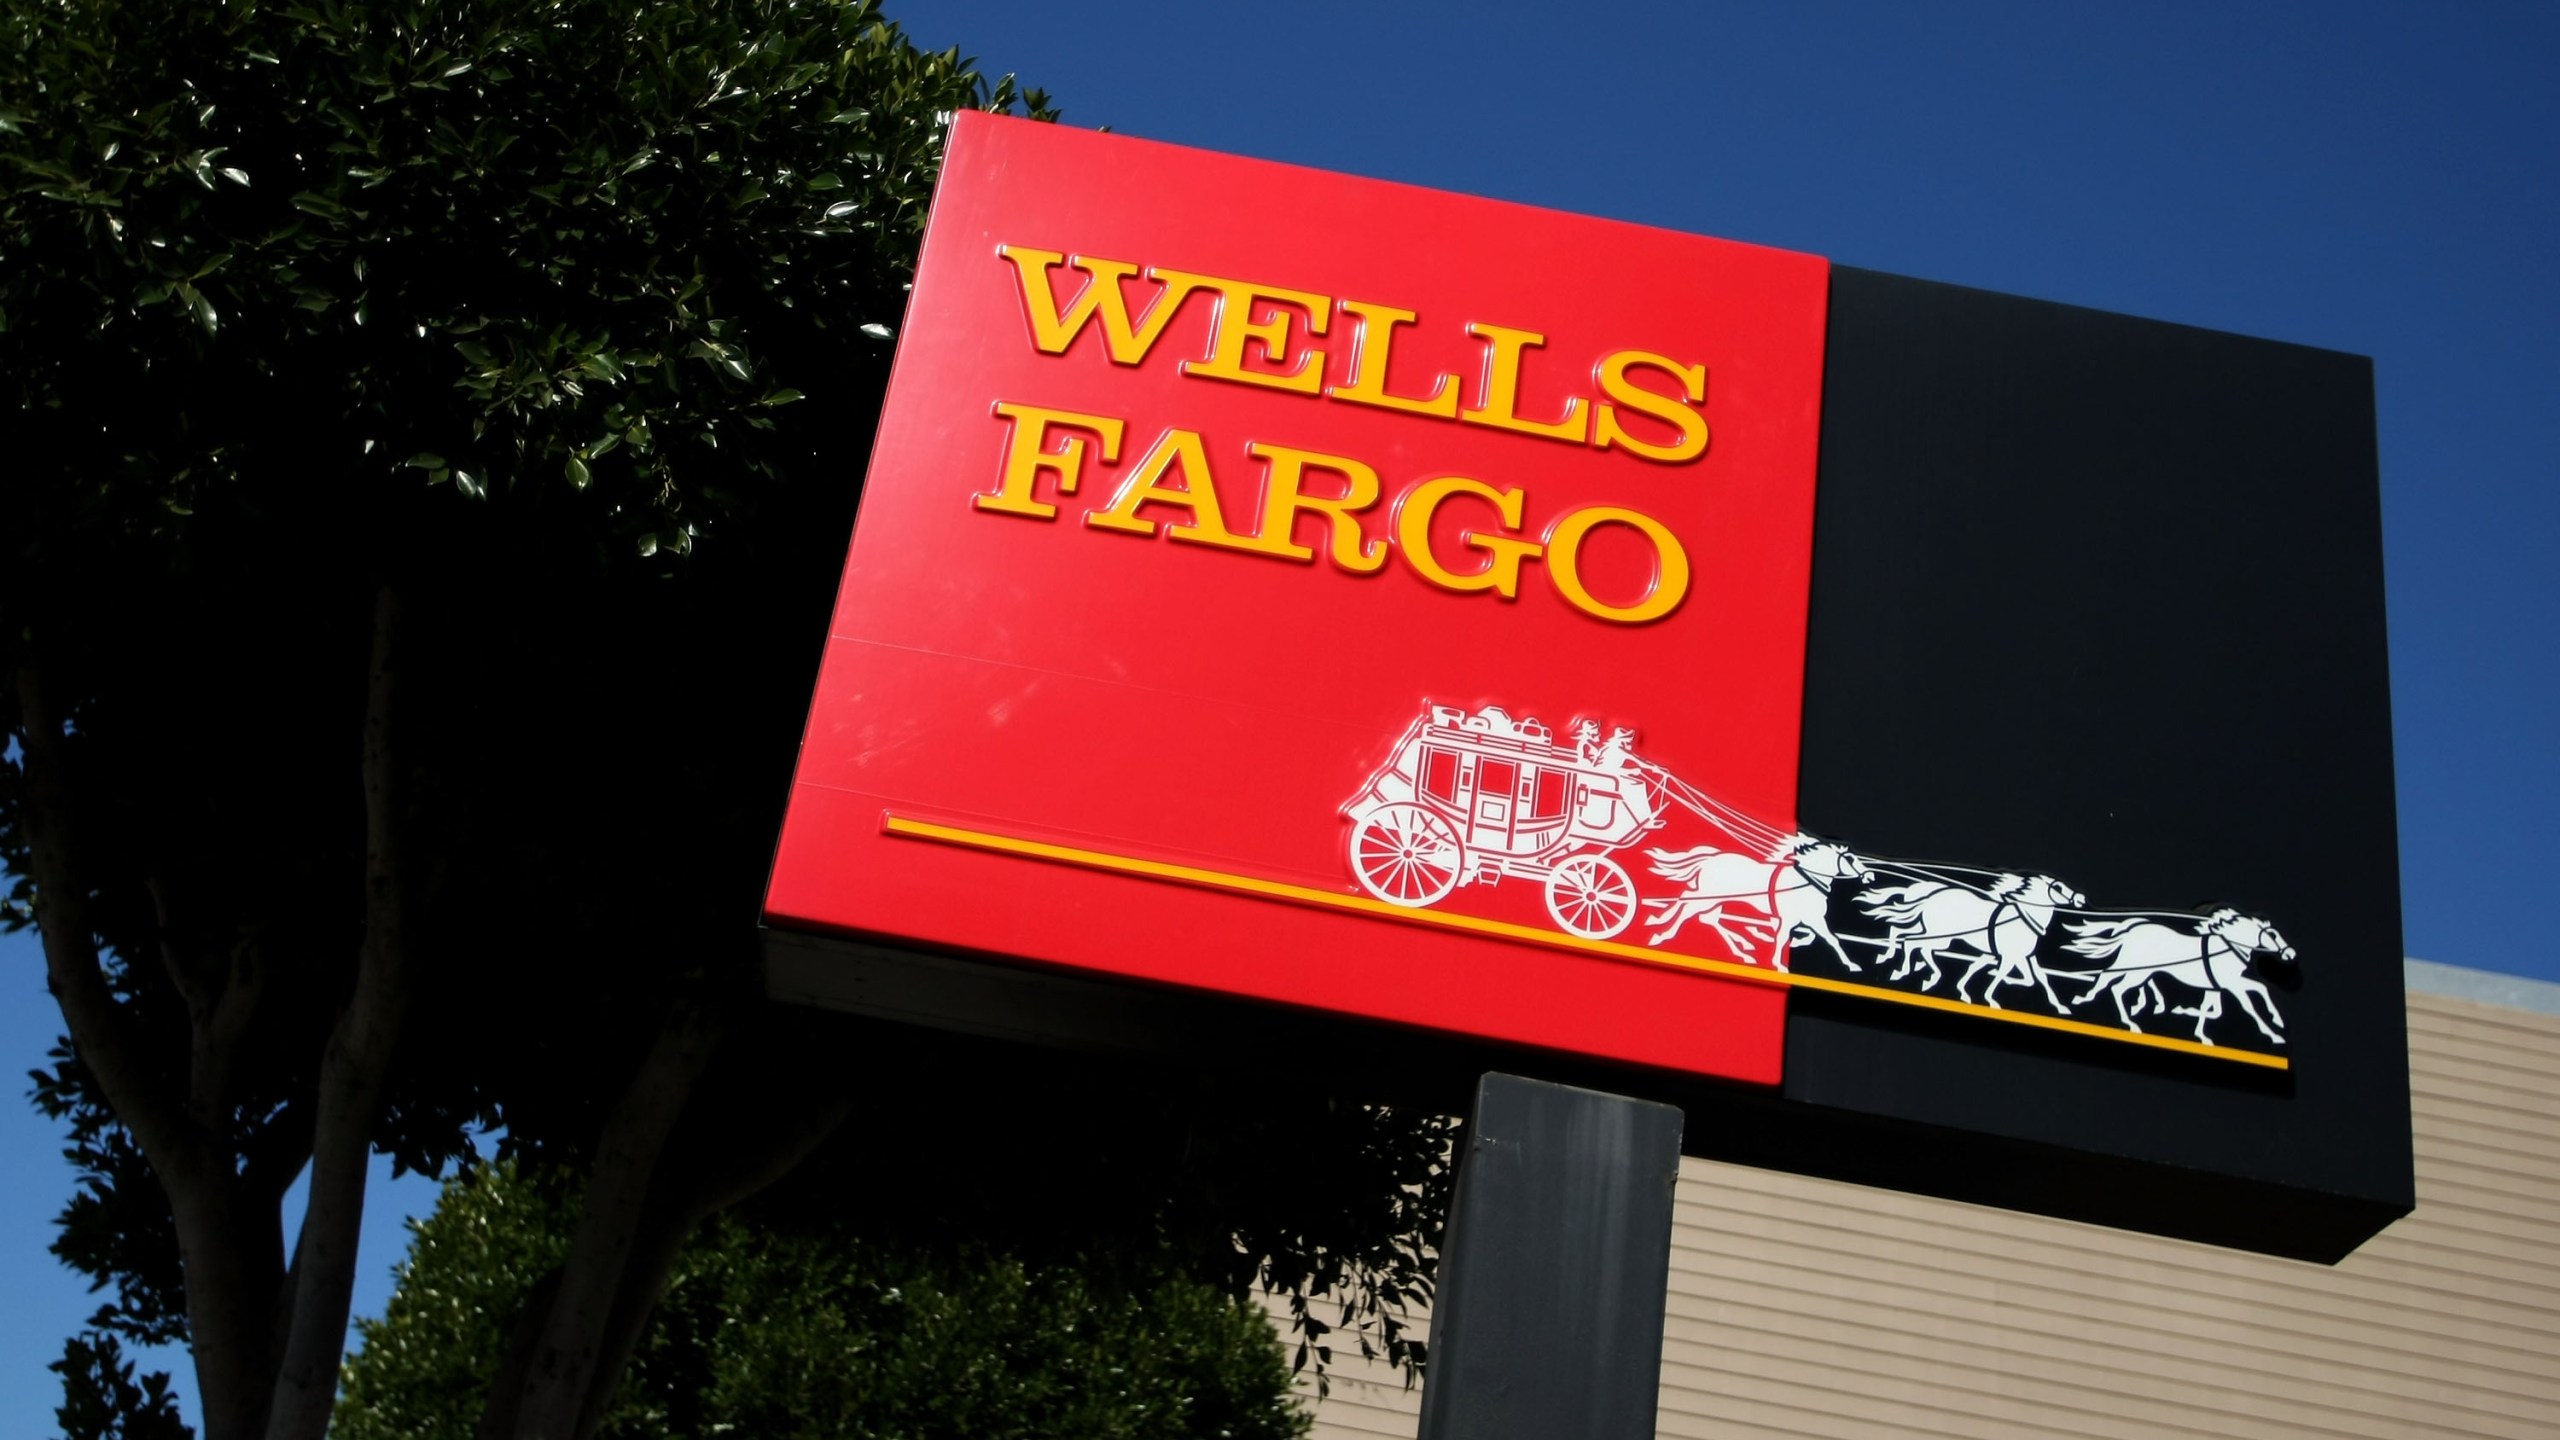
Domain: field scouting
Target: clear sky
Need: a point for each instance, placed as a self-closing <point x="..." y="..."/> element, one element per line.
<point x="41" y="1301"/>
<point x="2382" y="179"/>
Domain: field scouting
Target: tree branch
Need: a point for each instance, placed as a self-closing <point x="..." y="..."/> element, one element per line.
<point x="230" y="1273"/>
<point x="101" y="1031"/>
<point x="273" y="1156"/>
<point x="217" y="1020"/>
<point x="612" y="1220"/>
<point x="354" y="1071"/>
<point x="725" y="1153"/>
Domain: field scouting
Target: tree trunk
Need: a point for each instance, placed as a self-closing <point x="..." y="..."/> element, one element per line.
<point x="353" y="1073"/>
<point x="710" y="1144"/>
<point x="730" y="1157"/>
<point x="231" y="1261"/>
<point x="266" y="1340"/>
<point x="561" y="1370"/>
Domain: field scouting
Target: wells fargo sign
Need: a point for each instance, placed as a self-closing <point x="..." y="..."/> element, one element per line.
<point x="1180" y="520"/>
<point x="1405" y="606"/>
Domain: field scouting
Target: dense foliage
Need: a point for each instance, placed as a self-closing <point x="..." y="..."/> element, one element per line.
<point x="433" y="432"/>
<point x="771" y="1332"/>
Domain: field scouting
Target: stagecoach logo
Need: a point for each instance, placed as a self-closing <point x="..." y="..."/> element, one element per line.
<point x="1473" y="799"/>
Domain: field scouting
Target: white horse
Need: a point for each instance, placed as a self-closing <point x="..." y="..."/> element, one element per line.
<point x="2000" y="923"/>
<point x="1791" y="891"/>
<point x="2022" y="910"/>
<point x="1922" y="919"/>
<point x="2212" y="958"/>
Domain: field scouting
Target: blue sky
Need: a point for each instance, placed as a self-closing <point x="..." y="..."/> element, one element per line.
<point x="47" y="1302"/>
<point x="2382" y="179"/>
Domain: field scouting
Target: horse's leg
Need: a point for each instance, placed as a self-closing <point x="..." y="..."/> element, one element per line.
<point x="1990" y="992"/>
<point x="2041" y="980"/>
<point x="2248" y="987"/>
<point x="2104" y="979"/>
<point x="1679" y="911"/>
<point x="2210" y="1011"/>
<point x="1822" y="931"/>
<point x="1725" y="926"/>
<point x="1896" y="947"/>
<point x="2036" y="971"/>
<point x="1935" y="974"/>
<point x="1783" y="941"/>
<point x="2122" y="984"/>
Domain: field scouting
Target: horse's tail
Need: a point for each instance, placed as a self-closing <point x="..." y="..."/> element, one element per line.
<point x="1896" y="904"/>
<point x="1681" y="865"/>
<point x="2101" y="939"/>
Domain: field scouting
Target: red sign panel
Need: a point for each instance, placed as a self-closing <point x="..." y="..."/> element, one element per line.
<point x="1334" y="593"/>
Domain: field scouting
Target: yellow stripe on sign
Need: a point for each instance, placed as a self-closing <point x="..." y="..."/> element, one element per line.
<point x="1528" y="934"/>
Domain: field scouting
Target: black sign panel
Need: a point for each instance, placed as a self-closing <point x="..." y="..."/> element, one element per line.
<point x="2101" y="598"/>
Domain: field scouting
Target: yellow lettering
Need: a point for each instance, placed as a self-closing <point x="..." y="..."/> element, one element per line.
<point x="1180" y="450"/>
<point x="1504" y="553"/>
<point x="1126" y="340"/>
<point x="1499" y="405"/>
<point x="1564" y="564"/>
<point x="1691" y="425"/>
<point x="1368" y="382"/>
<point x="1284" y="500"/>
<point x="1027" y="456"/>
<point x="1236" y="325"/>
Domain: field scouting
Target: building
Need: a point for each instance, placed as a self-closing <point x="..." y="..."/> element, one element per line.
<point x="1803" y="1307"/>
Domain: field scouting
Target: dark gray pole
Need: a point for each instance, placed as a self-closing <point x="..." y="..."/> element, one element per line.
<point x="1548" y="1320"/>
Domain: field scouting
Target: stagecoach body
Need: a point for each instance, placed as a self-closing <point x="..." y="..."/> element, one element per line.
<point x="1470" y="799"/>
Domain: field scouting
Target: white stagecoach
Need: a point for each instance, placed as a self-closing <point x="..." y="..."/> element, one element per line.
<point x="1471" y="798"/>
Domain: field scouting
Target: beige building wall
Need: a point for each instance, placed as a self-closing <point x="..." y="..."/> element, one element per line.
<point x="1805" y="1307"/>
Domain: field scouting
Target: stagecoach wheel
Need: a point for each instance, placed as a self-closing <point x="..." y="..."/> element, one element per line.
<point x="1405" y="855"/>
<point x="1591" y="896"/>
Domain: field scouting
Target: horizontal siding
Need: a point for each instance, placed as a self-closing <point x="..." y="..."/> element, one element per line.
<point x="1802" y="1307"/>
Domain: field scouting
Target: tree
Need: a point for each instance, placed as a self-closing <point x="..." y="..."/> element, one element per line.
<point x="774" y="1332"/>
<point x="434" y="433"/>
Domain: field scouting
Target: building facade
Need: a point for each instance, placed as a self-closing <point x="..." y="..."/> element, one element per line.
<point x="1802" y="1307"/>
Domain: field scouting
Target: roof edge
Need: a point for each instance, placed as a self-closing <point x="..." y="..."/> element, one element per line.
<point x="2483" y="987"/>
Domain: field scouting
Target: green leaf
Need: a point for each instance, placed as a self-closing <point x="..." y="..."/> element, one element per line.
<point x="576" y="470"/>
<point x="781" y="397"/>
<point x="878" y="331"/>
<point x="602" y="366"/>
<point x="202" y="307"/>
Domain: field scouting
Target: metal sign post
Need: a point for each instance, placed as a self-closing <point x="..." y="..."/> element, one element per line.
<point x="1548" y="1321"/>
